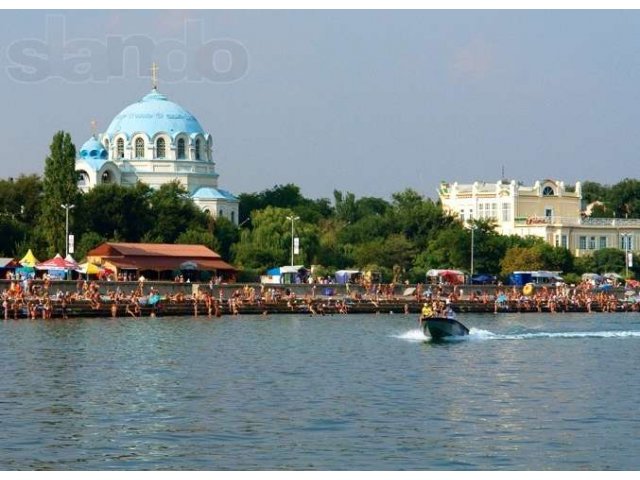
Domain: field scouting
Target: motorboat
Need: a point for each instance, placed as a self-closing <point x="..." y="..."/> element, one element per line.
<point x="442" y="327"/>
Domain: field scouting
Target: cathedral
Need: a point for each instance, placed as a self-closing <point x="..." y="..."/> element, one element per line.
<point x="156" y="141"/>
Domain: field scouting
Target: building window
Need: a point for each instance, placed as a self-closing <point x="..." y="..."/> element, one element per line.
<point x="462" y="215"/>
<point x="506" y="212"/>
<point x="120" y="148"/>
<point x="592" y="243"/>
<point x="547" y="191"/>
<point x="83" y="178"/>
<point x="481" y="210"/>
<point x="626" y="241"/>
<point x="557" y="240"/>
<point x="583" y="243"/>
<point x="181" y="149"/>
<point x="233" y="217"/>
<point x="198" y="149"/>
<point x="603" y="242"/>
<point x="139" y="148"/>
<point x="564" y="241"/>
<point x="221" y="213"/>
<point x="161" y="150"/>
<point x="494" y="210"/>
<point x="106" y="177"/>
<point x="548" y="212"/>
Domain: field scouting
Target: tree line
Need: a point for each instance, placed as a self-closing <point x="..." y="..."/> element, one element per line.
<point x="402" y="237"/>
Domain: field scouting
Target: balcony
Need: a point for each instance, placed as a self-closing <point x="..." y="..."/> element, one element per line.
<point x="578" y="221"/>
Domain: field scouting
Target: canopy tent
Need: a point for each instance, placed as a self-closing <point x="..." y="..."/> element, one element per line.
<point x="347" y="276"/>
<point x="29" y="260"/>
<point x="454" y="277"/>
<point x="56" y="263"/>
<point x="71" y="260"/>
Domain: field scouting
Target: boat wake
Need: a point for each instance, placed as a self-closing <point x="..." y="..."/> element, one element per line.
<point x="417" y="335"/>
<point x="476" y="333"/>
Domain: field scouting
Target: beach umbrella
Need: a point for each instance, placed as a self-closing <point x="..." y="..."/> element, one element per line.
<point x="88" y="268"/>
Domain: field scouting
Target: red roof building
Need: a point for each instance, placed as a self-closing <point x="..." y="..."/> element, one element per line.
<point x="162" y="259"/>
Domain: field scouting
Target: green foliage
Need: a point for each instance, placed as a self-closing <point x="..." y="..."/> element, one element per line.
<point x="286" y="197"/>
<point x="198" y="236"/>
<point x="88" y="241"/>
<point x="521" y="258"/>
<point x="402" y="238"/>
<point x="59" y="187"/>
<point x="174" y="212"/>
<point x="115" y="212"/>
<point x="608" y="260"/>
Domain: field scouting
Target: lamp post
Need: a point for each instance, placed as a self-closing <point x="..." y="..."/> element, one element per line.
<point x="67" y="207"/>
<point x="293" y="219"/>
<point x="473" y="229"/>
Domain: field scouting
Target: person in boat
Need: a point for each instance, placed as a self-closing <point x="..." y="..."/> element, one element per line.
<point x="425" y="313"/>
<point x="449" y="313"/>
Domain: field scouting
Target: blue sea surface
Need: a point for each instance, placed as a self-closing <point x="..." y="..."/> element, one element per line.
<point x="294" y="392"/>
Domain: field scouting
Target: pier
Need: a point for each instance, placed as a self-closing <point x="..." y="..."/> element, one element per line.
<point x="80" y="299"/>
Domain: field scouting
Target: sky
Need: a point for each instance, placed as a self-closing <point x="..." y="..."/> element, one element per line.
<point x="369" y="102"/>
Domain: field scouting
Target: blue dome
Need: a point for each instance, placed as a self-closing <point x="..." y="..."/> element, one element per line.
<point x="154" y="114"/>
<point x="92" y="148"/>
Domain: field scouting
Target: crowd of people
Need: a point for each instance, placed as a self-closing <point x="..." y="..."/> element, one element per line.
<point x="38" y="300"/>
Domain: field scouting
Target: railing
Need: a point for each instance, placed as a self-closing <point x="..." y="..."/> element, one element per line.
<point x="575" y="221"/>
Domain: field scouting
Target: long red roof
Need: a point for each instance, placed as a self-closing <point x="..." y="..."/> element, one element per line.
<point x="159" y="256"/>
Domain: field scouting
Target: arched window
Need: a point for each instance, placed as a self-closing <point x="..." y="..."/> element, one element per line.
<point x="198" y="149"/>
<point x="233" y="217"/>
<point x="120" y="147"/>
<point x="547" y="191"/>
<point x="160" y="148"/>
<point x="106" y="177"/>
<point x="83" y="178"/>
<point x="139" y="148"/>
<point x="181" y="149"/>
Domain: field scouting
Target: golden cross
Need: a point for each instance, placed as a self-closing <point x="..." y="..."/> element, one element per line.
<point x="154" y="75"/>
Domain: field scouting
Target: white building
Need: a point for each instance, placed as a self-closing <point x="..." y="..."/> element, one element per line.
<point x="156" y="141"/>
<point x="549" y="209"/>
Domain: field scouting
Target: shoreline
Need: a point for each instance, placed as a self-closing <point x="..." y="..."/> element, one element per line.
<point x="81" y="298"/>
<point x="312" y="307"/>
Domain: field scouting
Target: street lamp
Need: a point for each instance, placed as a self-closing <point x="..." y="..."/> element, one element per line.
<point x="67" y="207"/>
<point x="293" y="219"/>
<point x="473" y="229"/>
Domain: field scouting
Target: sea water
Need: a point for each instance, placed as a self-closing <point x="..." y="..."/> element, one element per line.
<point x="293" y="392"/>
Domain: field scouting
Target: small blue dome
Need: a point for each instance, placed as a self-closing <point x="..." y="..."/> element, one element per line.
<point x="154" y="114"/>
<point x="92" y="148"/>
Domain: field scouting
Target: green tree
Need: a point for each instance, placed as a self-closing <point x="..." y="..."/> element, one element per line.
<point x="608" y="260"/>
<point x="624" y="198"/>
<point x="59" y="188"/>
<point x="116" y="212"/>
<point x="226" y="234"/>
<point x="173" y="213"/>
<point x="88" y="241"/>
<point x="521" y="258"/>
<point x="198" y="236"/>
